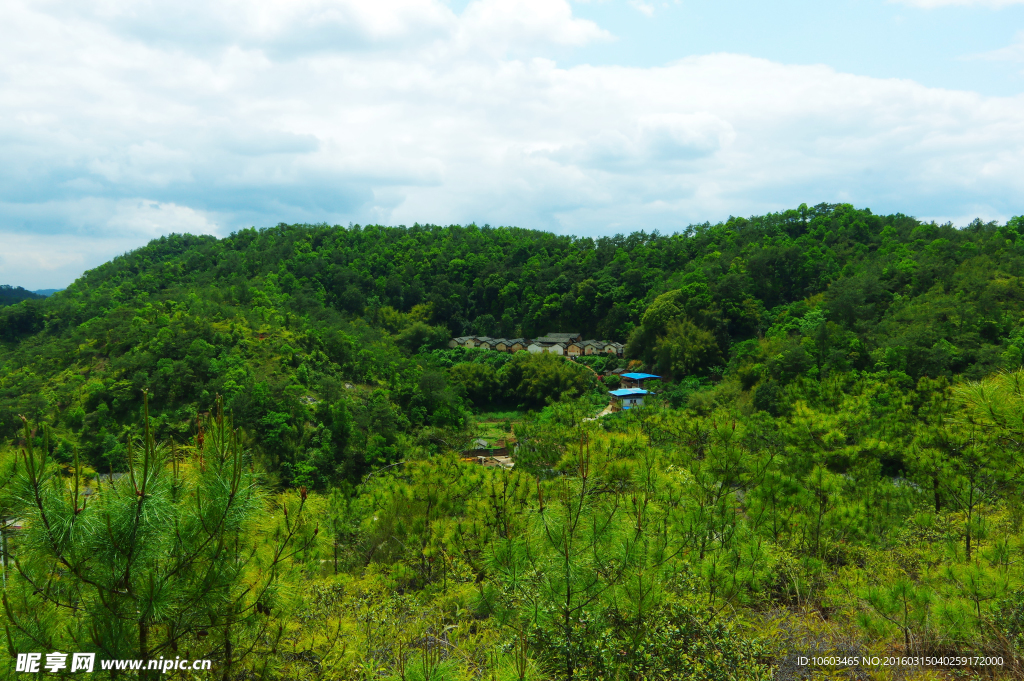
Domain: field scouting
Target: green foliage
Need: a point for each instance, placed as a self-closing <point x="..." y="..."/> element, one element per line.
<point x="9" y="295"/>
<point x="1009" y="619"/>
<point x="480" y="382"/>
<point x="539" y="379"/>
<point x="420" y="336"/>
<point x="279" y="319"/>
<point x="151" y="564"/>
<point x="836" y="439"/>
<point x="686" y="349"/>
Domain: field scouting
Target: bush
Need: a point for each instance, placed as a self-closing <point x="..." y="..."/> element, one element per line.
<point x="539" y="379"/>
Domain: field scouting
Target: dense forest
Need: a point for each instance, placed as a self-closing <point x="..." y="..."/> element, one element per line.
<point x="831" y="466"/>
<point x="9" y="295"/>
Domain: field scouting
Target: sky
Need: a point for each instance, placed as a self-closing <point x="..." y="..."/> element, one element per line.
<point x="123" y="120"/>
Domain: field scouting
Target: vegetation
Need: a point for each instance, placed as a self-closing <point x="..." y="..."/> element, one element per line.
<point x="830" y="467"/>
<point x="9" y="295"/>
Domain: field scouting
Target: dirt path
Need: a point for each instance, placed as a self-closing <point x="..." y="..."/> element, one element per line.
<point x="607" y="410"/>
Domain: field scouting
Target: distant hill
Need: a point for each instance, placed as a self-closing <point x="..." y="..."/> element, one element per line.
<point x="9" y="295"/>
<point x="47" y="292"/>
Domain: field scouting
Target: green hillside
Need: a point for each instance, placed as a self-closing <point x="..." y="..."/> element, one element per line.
<point x="830" y="465"/>
<point x="9" y="295"/>
<point x="279" y="320"/>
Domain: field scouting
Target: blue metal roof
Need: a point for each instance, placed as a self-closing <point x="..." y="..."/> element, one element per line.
<point x="627" y="392"/>
<point x="639" y="377"/>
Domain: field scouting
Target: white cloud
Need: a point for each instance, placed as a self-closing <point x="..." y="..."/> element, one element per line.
<point x="48" y="244"/>
<point x="509" y="24"/>
<point x="37" y="261"/>
<point x="645" y="8"/>
<point x="152" y="218"/>
<point x="125" y="120"/>
<point x="293" y="25"/>
<point x="1012" y="52"/>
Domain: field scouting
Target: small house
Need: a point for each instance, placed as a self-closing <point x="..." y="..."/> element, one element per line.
<point x="636" y="380"/>
<point x="627" y="398"/>
<point x="458" y="342"/>
<point x="492" y="457"/>
<point x="515" y="344"/>
<point x="574" y="349"/>
<point x="538" y="346"/>
<point x="591" y="347"/>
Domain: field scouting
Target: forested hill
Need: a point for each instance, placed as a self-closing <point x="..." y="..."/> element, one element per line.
<point x="9" y="295"/>
<point x="819" y="475"/>
<point x="280" y="320"/>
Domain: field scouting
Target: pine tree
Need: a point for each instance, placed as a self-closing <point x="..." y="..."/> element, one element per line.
<point x="558" y="572"/>
<point x="172" y="559"/>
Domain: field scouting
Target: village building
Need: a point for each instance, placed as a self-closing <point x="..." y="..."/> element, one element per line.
<point x="612" y="348"/>
<point x="569" y="344"/>
<point x="560" y="338"/>
<point x="627" y="398"/>
<point x="636" y="380"/>
<point x="538" y="346"/>
<point x="485" y="455"/>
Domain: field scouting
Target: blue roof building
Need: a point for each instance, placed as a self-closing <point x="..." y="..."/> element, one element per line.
<point x="627" y="398"/>
<point x="635" y="380"/>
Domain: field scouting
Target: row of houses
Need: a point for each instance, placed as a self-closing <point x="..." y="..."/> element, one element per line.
<point x="566" y="344"/>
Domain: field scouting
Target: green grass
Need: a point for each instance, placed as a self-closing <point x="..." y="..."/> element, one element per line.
<point x="495" y="425"/>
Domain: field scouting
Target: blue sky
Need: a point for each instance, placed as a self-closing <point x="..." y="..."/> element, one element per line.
<point x="935" y="45"/>
<point x="121" y="120"/>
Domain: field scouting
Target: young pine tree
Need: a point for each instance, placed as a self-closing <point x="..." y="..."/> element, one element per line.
<point x="173" y="559"/>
